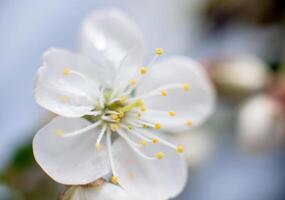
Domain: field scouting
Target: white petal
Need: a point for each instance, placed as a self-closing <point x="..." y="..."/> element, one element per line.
<point x="152" y="179"/>
<point x="69" y="160"/>
<point x="113" y="37"/>
<point x="69" y="95"/>
<point x="194" y="105"/>
<point x="107" y="191"/>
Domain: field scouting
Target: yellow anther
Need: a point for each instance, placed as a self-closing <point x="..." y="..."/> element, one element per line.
<point x="164" y="93"/>
<point x="133" y="82"/>
<point x="59" y="132"/>
<point x="159" y="155"/>
<point x="155" y="141"/>
<point x="186" y="87"/>
<point x="172" y="113"/>
<point x="114" y="179"/>
<point x="157" y="126"/>
<point x="114" y="127"/>
<point x="143" y="108"/>
<point x="189" y="123"/>
<point x="145" y="126"/>
<point x="139" y="115"/>
<point x="180" y="149"/>
<point x="121" y="114"/>
<point x="143" y="142"/>
<point x="64" y="98"/>
<point x="98" y="146"/>
<point x="143" y="70"/>
<point x="159" y="51"/>
<point x="114" y="117"/>
<point x="66" y="71"/>
<point x="130" y="127"/>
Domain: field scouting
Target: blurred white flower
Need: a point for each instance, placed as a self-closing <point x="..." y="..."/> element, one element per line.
<point x="106" y="93"/>
<point x="259" y="123"/>
<point x="240" y="75"/>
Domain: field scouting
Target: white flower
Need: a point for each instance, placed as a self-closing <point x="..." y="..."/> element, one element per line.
<point x="240" y="75"/>
<point x="259" y="123"/>
<point x="103" y="93"/>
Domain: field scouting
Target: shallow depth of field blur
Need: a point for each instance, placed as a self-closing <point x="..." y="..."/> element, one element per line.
<point x="238" y="154"/>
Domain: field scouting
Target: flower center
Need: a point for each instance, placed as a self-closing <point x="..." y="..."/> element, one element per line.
<point x="111" y="111"/>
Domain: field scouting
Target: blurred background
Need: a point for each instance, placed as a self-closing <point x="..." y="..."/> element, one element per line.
<point x="238" y="154"/>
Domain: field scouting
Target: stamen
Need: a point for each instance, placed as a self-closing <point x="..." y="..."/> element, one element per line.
<point x="142" y="154"/>
<point x="186" y="87"/>
<point x="114" y="117"/>
<point x="133" y="82"/>
<point x="142" y="124"/>
<point x="157" y="126"/>
<point x="121" y="114"/>
<point x="83" y="130"/>
<point x="121" y="99"/>
<point x="114" y="127"/>
<point x="112" y="112"/>
<point x="162" y="90"/>
<point x="164" y="93"/>
<point x="138" y="123"/>
<point x="180" y="149"/>
<point x="134" y="145"/>
<point x="64" y="98"/>
<point x="172" y="113"/>
<point x="99" y="138"/>
<point x="59" y="132"/>
<point x="145" y="126"/>
<point x="66" y="71"/>
<point x="87" y="80"/>
<point x="98" y="146"/>
<point x="189" y="123"/>
<point x="143" y="142"/>
<point x="159" y="155"/>
<point x="115" y="180"/>
<point x="159" y="51"/>
<point x="137" y="134"/>
<point x="127" y="139"/>
<point x="143" y="70"/>
<point x="139" y="115"/>
<point x="155" y="141"/>
<point x="136" y="103"/>
<point x="109" y="119"/>
<point x="160" y="140"/>
<point x="143" y="108"/>
<point x="152" y="113"/>
<point x="110" y="154"/>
